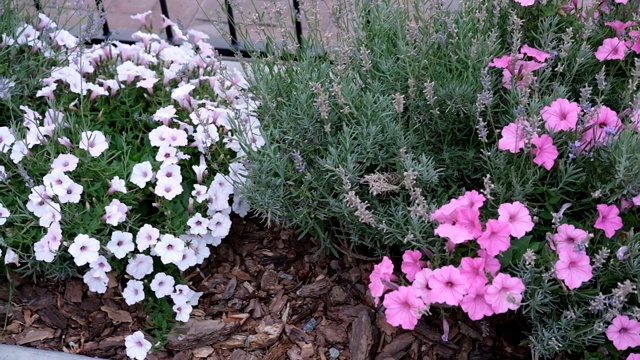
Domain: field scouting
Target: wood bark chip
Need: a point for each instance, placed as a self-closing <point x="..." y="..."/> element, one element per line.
<point x="316" y="289"/>
<point x="51" y="316"/>
<point x="196" y="333"/>
<point x="278" y="352"/>
<point x="361" y="340"/>
<point x="267" y="336"/>
<point x="397" y="348"/>
<point x="33" y="334"/>
<point x="73" y="291"/>
<point x="117" y="315"/>
<point x="230" y="289"/>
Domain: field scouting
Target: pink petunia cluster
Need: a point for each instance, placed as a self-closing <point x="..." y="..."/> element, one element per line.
<point x="476" y="285"/>
<point x="519" y="70"/>
<point x="467" y="286"/>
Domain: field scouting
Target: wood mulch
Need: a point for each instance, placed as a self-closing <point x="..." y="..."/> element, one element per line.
<point x="267" y="295"/>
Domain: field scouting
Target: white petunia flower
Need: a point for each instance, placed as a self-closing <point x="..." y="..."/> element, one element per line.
<point x="137" y="346"/>
<point x="84" y="249"/>
<point x="220" y="225"/>
<point x="140" y="266"/>
<point x="169" y="248"/>
<point x="162" y="284"/>
<point x="147" y="236"/>
<point x="94" y="142"/>
<point x="134" y="292"/>
<point x="121" y="244"/>
<point x="4" y="214"/>
<point x="142" y="173"/>
<point x="198" y="224"/>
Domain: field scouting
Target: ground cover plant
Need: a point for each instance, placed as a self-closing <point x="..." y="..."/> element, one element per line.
<point x="122" y="164"/>
<point x="491" y="153"/>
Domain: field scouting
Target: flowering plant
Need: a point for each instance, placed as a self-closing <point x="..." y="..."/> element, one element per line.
<point x="562" y="176"/>
<point x="125" y="164"/>
<point x="553" y="158"/>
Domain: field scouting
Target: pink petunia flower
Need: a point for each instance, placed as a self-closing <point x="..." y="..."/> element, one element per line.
<point x="525" y="2"/>
<point x="624" y="332"/>
<point x="612" y="49"/>
<point x="454" y="233"/>
<point x="573" y="268"/>
<point x="545" y="152"/>
<point x="619" y="26"/>
<point x="568" y="237"/>
<point x="495" y="238"/>
<point x="634" y="44"/>
<point x="403" y="307"/>
<point x="169" y="248"/>
<point x="608" y="219"/>
<point x="502" y="62"/>
<point x="537" y="55"/>
<point x="633" y="357"/>
<point x="517" y="216"/>
<point x="560" y="115"/>
<point x="600" y="128"/>
<point x="65" y="162"/>
<point x="421" y="285"/>
<point x="491" y="264"/>
<point x="472" y="269"/>
<point x="514" y="136"/>
<point x="469" y="220"/>
<point x="504" y="293"/>
<point x="447" y="285"/>
<point x="381" y="272"/>
<point x="475" y="304"/>
<point x="411" y="263"/>
<point x="137" y="346"/>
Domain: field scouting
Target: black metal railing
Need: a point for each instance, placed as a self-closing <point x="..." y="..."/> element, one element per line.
<point x="225" y="47"/>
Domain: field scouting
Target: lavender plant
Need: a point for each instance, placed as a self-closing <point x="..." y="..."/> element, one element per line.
<point x="395" y="92"/>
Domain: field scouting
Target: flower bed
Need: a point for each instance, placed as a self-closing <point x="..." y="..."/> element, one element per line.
<point x="123" y="166"/>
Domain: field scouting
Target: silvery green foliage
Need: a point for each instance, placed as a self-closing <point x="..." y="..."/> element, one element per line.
<point x="394" y="94"/>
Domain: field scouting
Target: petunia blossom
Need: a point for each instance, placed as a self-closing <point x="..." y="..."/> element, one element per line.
<point x="411" y="263"/>
<point x="624" y="332"/>
<point x="545" y="152"/>
<point x="612" y="49"/>
<point x="517" y="216"/>
<point x="568" y="237"/>
<point x="94" y="142"/>
<point x="560" y="115"/>
<point x="514" y="136"/>
<point x="475" y="304"/>
<point x="495" y="239"/>
<point x="608" y="219"/>
<point x="473" y="270"/>
<point x="573" y="268"/>
<point x="403" y="307"/>
<point x="447" y="285"/>
<point x="137" y="346"/>
<point x="382" y="272"/>
<point x="504" y="293"/>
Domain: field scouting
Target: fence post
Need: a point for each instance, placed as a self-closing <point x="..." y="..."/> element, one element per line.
<point x="298" y="23"/>
<point x="231" y="22"/>
<point x="103" y="14"/>
<point x="165" y="11"/>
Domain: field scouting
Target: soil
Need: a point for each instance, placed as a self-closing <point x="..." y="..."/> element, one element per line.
<point x="267" y="295"/>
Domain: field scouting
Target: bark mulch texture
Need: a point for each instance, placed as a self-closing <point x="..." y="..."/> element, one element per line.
<point x="267" y="295"/>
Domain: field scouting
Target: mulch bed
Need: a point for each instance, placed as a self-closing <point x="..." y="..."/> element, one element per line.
<point x="267" y="296"/>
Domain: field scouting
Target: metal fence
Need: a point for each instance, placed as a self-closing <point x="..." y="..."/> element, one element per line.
<point x="225" y="47"/>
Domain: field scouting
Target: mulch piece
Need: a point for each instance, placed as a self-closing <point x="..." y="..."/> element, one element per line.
<point x="267" y="295"/>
